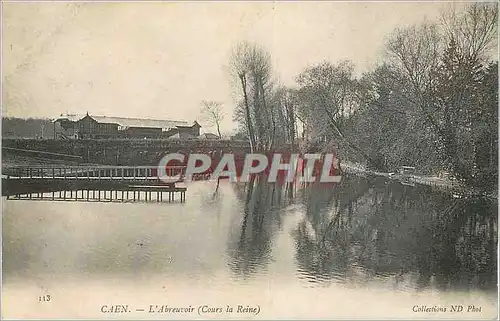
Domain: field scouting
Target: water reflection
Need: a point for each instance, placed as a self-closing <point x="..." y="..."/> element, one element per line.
<point x="250" y="248"/>
<point x="357" y="233"/>
<point x="404" y="235"/>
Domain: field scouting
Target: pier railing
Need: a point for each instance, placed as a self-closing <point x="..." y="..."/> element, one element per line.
<point x="91" y="172"/>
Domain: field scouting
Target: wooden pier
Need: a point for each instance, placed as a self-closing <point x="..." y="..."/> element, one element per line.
<point x="93" y="183"/>
<point x="154" y="194"/>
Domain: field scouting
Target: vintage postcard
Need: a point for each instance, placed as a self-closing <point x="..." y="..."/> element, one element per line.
<point x="249" y="160"/>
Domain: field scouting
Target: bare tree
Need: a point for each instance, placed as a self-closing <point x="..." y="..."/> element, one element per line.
<point x="284" y="112"/>
<point x="474" y="31"/>
<point x="252" y="67"/>
<point x="213" y="114"/>
<point x="415" y="52"/>
<point x="328" y="94"/>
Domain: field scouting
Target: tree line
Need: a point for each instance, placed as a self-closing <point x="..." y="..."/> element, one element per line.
<point x="13" y="127"/>
<point x="431" y="103"/>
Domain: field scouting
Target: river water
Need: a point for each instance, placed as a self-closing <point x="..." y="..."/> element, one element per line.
<point x="361" y="249"/>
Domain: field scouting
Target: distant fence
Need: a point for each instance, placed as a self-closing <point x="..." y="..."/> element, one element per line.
<point x="123" y="151"/>
<point x="39" y="153"/>
<point x="165" y="143"/>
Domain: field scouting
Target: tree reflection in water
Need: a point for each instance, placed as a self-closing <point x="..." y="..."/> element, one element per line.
<point x="250" y="250"/>
<point x="366" y="229"/>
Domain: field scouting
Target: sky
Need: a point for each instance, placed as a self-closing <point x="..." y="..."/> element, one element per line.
<point x="161" y="59"/>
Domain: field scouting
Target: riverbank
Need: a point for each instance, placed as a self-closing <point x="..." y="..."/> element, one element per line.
<point x="457" y="188"/>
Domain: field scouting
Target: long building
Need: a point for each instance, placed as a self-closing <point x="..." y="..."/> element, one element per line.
<point x="102" y="127"/>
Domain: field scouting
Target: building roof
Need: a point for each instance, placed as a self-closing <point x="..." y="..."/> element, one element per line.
<point x="195" y="124"/>
<point x="128" y="122"/>
<point x="209" y="136"/>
